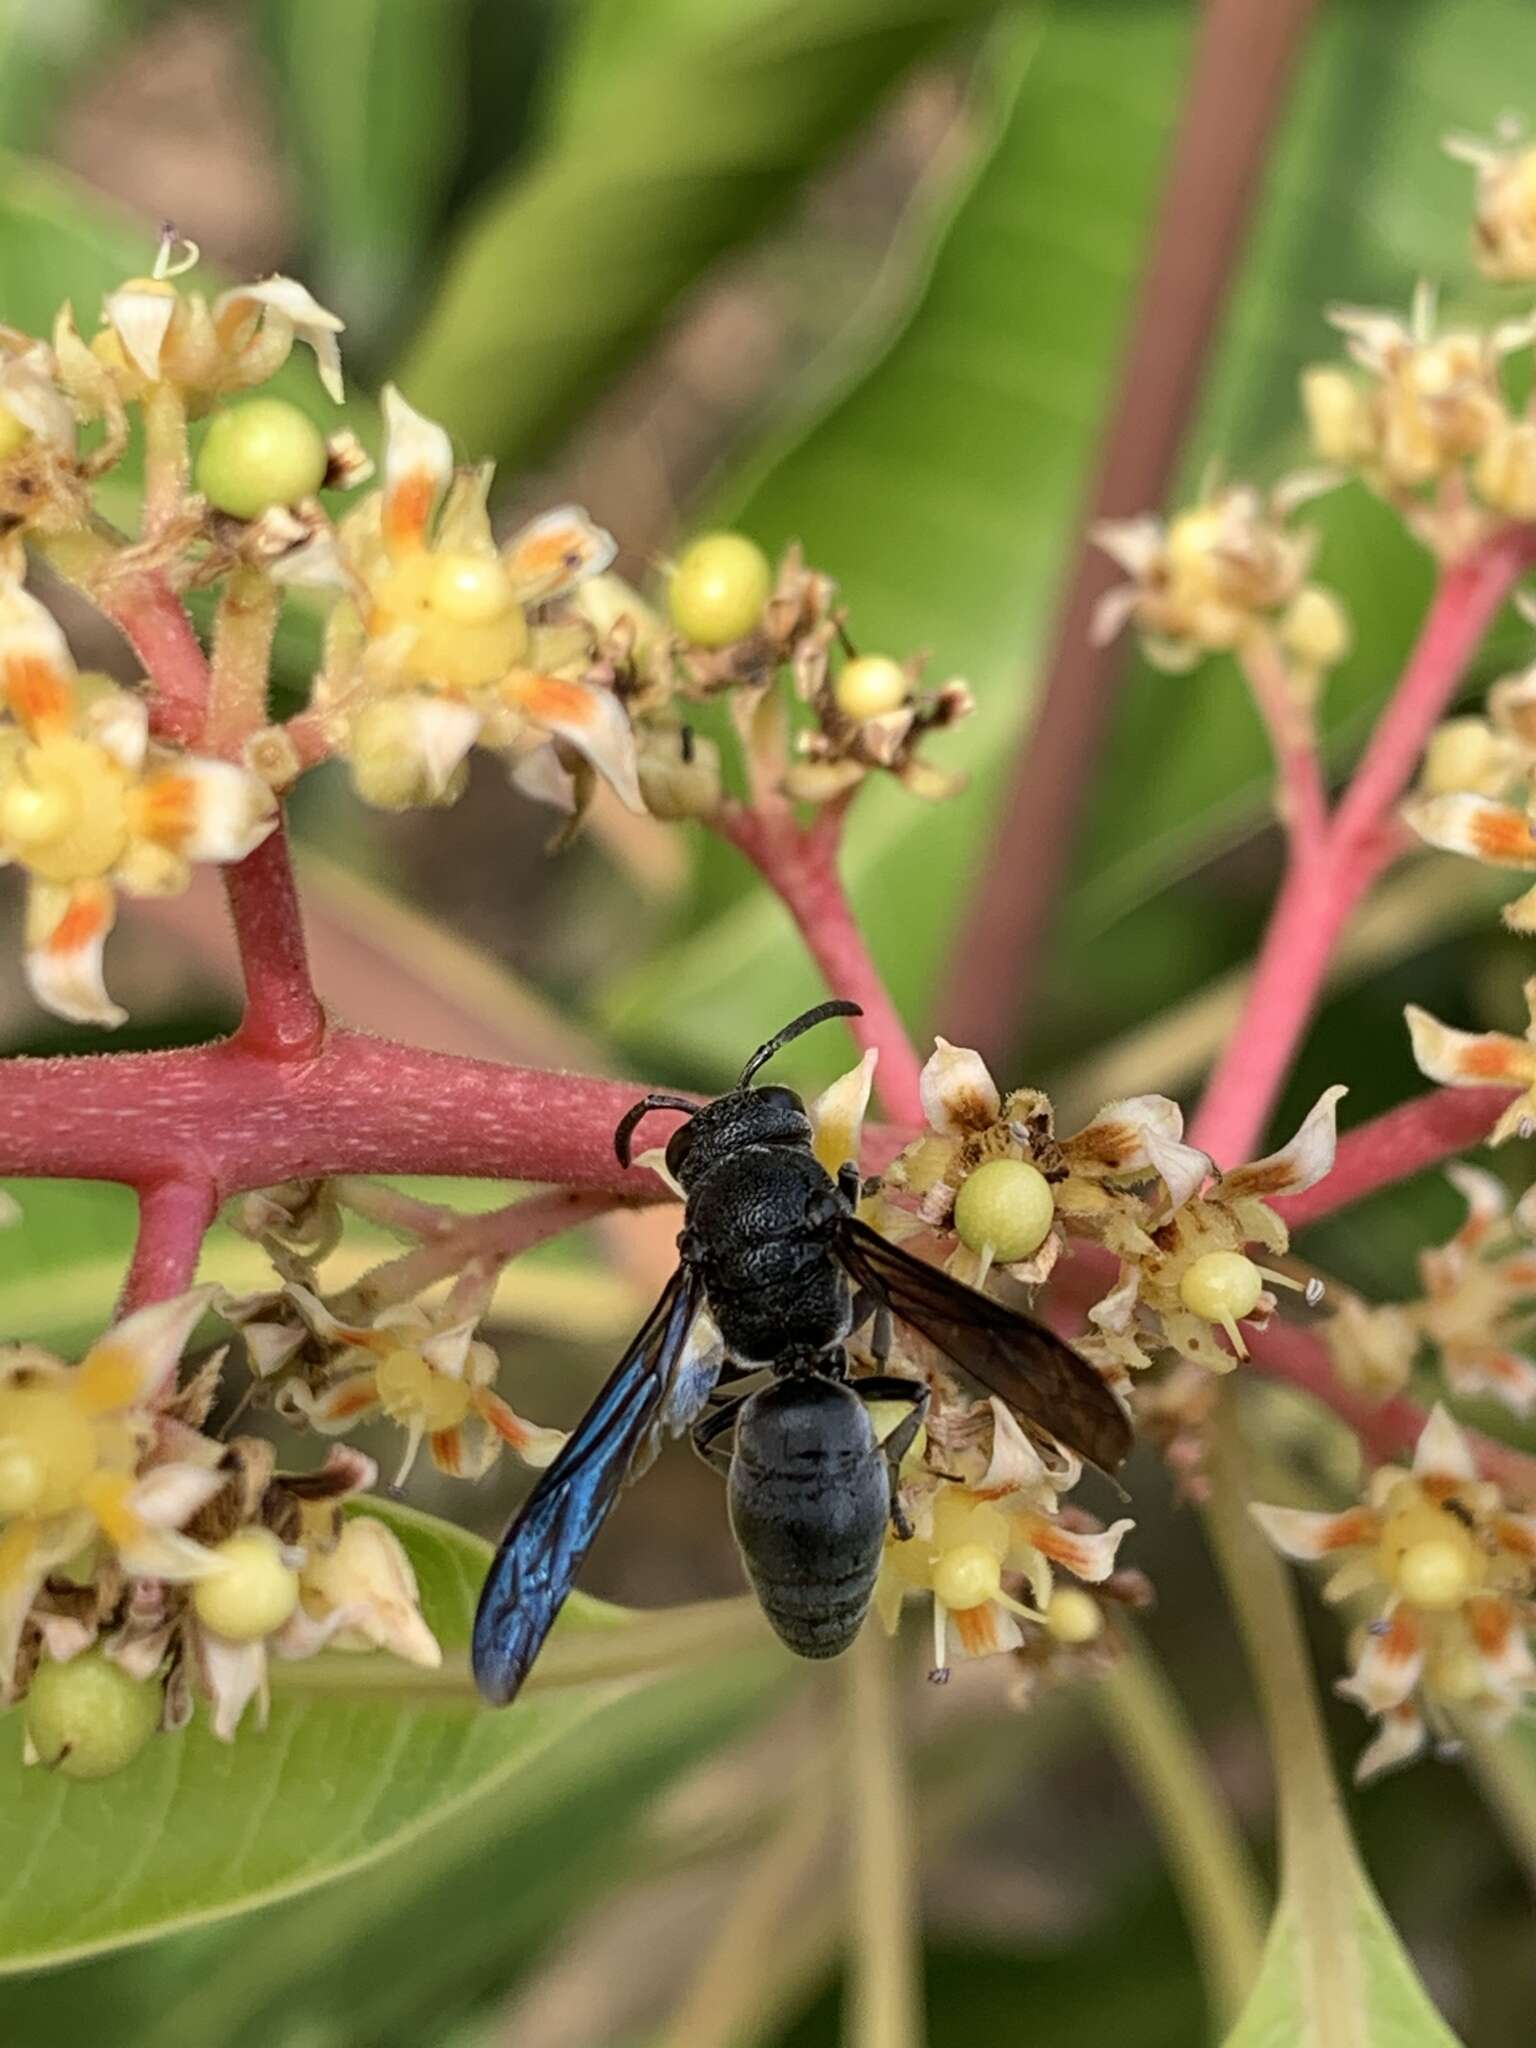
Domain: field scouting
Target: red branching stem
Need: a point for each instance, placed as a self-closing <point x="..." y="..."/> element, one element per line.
<point x="1325" y="879"/>
<point x="155" y="622"/>
<point x="1301" y="797"/>
<point x="1406" y="1140"/>
<point x="174" y="1216"/>
<point x="1388" y="1430"/>
<point x="800" y="866"/>
<point x="244" y="1120"/>
<point x="283" y="1017"/>
<point x="491" y="1239"/>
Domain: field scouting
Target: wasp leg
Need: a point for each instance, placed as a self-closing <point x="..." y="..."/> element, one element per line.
<point x="889" y="1387"/>
<point x="849" y="1184"/>
<point x="716" y="1424"/>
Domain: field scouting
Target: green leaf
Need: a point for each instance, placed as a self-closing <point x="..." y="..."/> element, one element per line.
<point x="1333" y="1973"/>
<point x="1363" y="1995"/>
<point x="377" y="159"/>
<point x="194" y="1829"/>
<point x="943" y="488"/>
<point x="676" y="144"/>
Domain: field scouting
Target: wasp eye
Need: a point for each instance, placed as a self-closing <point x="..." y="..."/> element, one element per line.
<point x="780" y="1098"/>
<point x="679" y="1145"/>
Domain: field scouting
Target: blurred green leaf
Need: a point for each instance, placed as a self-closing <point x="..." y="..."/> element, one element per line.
<point x="943" y="487"/>
<point x="384" y="1960"/>
<point x="378" y="158"/>
<point x="678" y="136"/>
<point x="195" y="1829"/>
<point x="43" y="45"/>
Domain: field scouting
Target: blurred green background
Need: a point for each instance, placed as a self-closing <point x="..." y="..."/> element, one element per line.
<point x="855" y="272"/>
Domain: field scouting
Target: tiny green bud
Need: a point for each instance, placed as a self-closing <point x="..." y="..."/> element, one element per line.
<point x="719" y="588"/>
<point x="1073" y="1616"/>
<point x="88" y="1718"/>
<point x="253" y="1594"/>
<point x="1007" y="1204"/>
<point x="263" y="453"/>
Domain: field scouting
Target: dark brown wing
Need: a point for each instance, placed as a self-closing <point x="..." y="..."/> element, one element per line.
<point x="1009" y="1354"/>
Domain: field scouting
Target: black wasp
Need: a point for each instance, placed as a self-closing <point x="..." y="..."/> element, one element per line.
<point x="772" y="1247"/>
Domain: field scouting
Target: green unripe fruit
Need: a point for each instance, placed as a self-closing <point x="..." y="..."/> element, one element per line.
<point x="263" y="453"/>
<point x="719" y="588"/>
<point x="88" y="1718"/>
<point x="254" y="1593"/>
<point x="1221" y="1287"/>
<point x="1007" y="1204"/>
<point x="871" y="685"/>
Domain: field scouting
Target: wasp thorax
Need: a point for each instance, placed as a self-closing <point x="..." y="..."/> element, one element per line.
<point x="747" y="1116"/>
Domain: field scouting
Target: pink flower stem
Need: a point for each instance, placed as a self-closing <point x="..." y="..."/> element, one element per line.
<point x="156" y="623"/>
<point x="490" y="1239"/>
<point x="799" y="863"/>
<point x="1327" y="876"/>
<point x="174" y="1216"/>
<point x="1388" y="1429"/>
<point x="283" y="1016"/>
<point x="242" y="1119"/>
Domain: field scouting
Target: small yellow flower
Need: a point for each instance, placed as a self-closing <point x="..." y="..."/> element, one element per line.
<point x="1504" y="238"/>
<point x="1215" y="576"/>
<point x="425" y="1372"/>
<point x="1430" y="414"/>
<point x="1372" y="1347"/>
<point x="1447" y="1572"/>
<point x="1478" y="1289"/>
<point x="1197" y="1277"/>
<point x="74" y="1445"/>
<point x="968" y="1534"/>
<point x="153" y="332"/>
<point x="87" y="806"/>
<point x="433" y="648"/>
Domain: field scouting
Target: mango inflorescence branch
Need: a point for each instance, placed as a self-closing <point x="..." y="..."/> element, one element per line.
<point x="147" y="1562"/>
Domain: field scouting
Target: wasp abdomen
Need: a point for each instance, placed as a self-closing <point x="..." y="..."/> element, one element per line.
<point x="809" y="1501"/>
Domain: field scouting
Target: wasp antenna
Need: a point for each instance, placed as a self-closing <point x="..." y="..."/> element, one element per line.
<point x="839" y="1006"/>
<point x="631" y="1117"/>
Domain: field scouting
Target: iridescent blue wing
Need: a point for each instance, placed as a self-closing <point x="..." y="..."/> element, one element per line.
<point x="542" y="1551"/>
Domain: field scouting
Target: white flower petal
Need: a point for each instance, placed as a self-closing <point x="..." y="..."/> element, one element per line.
<point x="958" y="1093"/>
<point x="1183" y="1169"/>
<point x="1400" y="1736"/>
<point x="543" y="777"/>
<point x="29" y="393"/>
<point x="294" y="303"/>
<point x="586" y="717"/>
<point x="168" y="1496"/>
<point x="139" y="1355"/>
<point x="66" y="939"/>
<point x="207" y="810"/>
<point x="1298" y="1165"/>
<point x="418" y="461"/>
<point x="837" y="1115"/>
<point x="554" y="552"/>
<point x="236" y="1674"/>
<point x="1462" y="822"/>
<point x="1442" y="1450"/>
<point x="1389" y="1665"/>
<point x="119" y="722"/>
<point x="1467" y="1059"/>
<point x="1136" y="544"/>
<point x="1306" y="1535"/>
<point x="142" y="312"/>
